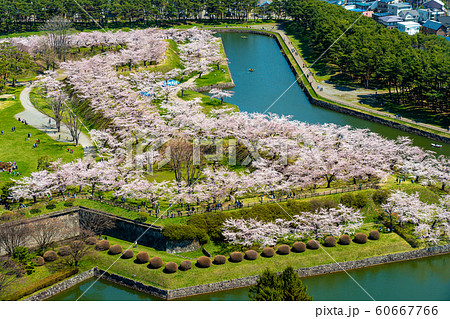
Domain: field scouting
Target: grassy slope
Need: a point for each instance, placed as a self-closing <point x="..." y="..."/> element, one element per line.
<point x="388" y="243"/>
<point x="13" y="146"/>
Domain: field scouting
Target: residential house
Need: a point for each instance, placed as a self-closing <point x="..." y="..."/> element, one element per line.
<point x="445" y="20"/>
<point x="409" y="15"/>
<point x="378" y="15"/>
<point x="395" y="8"/>
<point x="366" y="6"/>
<point x="390" y="22"/>
<point x="428" y="14"/>
<point x="383" y="5"/>
<point x="408" y="27"/>
<point x="434" y="4"/>
<point x="434" y="27"/>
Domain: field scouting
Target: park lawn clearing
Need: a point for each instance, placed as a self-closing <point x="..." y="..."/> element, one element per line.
<point x="387" y="244"/>
<point x="207" y="102"/>
<point x="13" y="146"/>
<point x="40" y="272"/>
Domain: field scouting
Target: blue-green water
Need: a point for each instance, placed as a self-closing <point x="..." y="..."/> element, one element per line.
<point x="421" y="279"/>
<point x="257" y="91"/>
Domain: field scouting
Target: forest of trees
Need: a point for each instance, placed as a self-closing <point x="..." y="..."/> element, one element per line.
<point x="415" y="69"/>
<point x="23" y="15"/>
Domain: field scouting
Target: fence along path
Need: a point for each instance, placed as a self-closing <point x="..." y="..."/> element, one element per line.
<point x="214" y="208"/>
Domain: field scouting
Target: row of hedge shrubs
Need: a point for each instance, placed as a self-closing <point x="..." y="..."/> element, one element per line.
<point x="43" y="283"/>
<point x="235" y="257"/>
<point x="212" y="223"/>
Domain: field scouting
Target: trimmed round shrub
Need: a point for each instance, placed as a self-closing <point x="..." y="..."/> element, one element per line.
<point x="374" y="235"/>
<point x="360" y="238"/>
<point x="91" y="241"/>
<point x="156" y="263"/>
<point x="203" y="262"/>
<point x="50" y="256"/>
<point x="284" y="250"/>
<point x="219" y="260"/>
<point x="330" y="241"/>
<point x="50" y="206"/>
<point x="185" y="265"/>
<point x="251" y="255"/>
<point x="115" y="250"/>
<point x="39" y="261"/>
<point x="35" y="211"/>
<point x="236" y="257"/>
<point x="127" y="254"/>
<point x="298" y="247"/>
<point x="312" y="244"/>
<point x="142" y="257"/>
<point x="64" y="251"/>
<point x="102" y="245"/>
<point x="268" y="252"/>
<point x="171" y="267"/>
<point x="345" y="240"/>
<point x="69" y="202"/>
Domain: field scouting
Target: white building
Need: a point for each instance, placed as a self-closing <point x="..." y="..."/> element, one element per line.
<point x="409" y="27"/>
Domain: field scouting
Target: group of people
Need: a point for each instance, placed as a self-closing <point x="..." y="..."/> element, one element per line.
<point x="10" y="167"/>
<point x="22" y="121"/>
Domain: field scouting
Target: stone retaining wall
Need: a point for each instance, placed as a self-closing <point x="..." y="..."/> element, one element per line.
<point x="340" y="109"/>
<point x="125" y="229"/>
<point x="60" y="287"/>
<point x="130" y="283"/>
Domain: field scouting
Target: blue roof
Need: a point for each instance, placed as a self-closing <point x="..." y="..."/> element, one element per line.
<point x="381" y="14"/>
<point x="433" y="25"/>
<point x="364" y="4"/>
<point x="356" y="10"/>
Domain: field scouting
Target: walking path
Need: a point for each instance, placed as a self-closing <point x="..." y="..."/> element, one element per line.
<point x="47" y="125"/>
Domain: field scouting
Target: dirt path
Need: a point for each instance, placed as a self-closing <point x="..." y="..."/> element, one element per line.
<point x="47" y="125"/>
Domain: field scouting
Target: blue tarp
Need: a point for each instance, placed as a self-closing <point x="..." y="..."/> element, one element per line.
<point x="170" y="83"/>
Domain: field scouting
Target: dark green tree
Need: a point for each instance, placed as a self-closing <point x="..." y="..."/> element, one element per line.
<point x="286" y="286"/>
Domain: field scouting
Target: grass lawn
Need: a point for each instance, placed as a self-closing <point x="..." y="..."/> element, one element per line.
<point x="13" y="146"/>
<point x="388" y="243"/>
<point x="39" y="273"/>
<point x="214" y="77"/>
<point x="207" y="102"/>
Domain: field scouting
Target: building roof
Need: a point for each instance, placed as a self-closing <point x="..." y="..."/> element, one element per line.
<point x="409" y="24"/>
<point x="400" y="5"/>
<point x="356" y="10"/>
<point x="437" y="1"/>
<point x="445" y="20"/>
<point x="390" y="19"/>
<point x="433" y="25"/>
<point x="414" y="13"/>
<point x="381" y="14"/>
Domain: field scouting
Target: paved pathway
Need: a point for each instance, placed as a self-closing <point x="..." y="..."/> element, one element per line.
<point x="41" y="122"/>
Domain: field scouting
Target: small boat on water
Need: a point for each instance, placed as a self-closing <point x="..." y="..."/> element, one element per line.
<point x="436" y="145"/>
<point x="251" y="70"/>
<point x="244" y="37"/>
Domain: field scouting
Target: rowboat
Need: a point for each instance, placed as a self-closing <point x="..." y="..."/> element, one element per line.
<point x="436" y="145"/>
